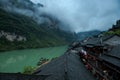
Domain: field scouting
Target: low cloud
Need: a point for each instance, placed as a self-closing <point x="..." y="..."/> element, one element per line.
<point x="72" y="15"/>
<point x="24" y="7"/>
<point x="83" y="15"/>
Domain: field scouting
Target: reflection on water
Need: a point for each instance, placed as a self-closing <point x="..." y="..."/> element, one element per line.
<point x="15" y="61"/>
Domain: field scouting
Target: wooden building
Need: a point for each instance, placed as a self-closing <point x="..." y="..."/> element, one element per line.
<point x="103" y="56"/>
<point x="111" y="40"/>
<point x="111" y="63"/>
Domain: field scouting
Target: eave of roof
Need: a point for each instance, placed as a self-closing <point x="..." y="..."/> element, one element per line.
<point x="112" y="60"/>
<point x="69" y="66"/>
<point x="115" y="52"/>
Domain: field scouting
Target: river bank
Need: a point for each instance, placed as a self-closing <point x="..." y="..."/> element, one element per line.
<point x="15" y="61"/>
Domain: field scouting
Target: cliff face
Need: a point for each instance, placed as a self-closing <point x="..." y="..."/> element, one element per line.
<point x="12" y="36"/>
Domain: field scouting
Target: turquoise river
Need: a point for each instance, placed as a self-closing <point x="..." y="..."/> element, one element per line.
<point x="15" y="61"/>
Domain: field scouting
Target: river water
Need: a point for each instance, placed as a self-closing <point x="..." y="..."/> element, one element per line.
<point x="15" y="61"/>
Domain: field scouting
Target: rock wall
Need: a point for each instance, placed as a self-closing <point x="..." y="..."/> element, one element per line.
<point x="12" y="36"/>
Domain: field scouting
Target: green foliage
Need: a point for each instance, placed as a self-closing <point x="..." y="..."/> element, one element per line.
<point x="54" y="58"/>
<point x="37" y="35"/>
<point x="114" y="32"/>
<point x="28" y="70"/>
<point x="117" y="32"/>
<point x="109" y="32"/>
<point x="42" y="61"/>
<point x="115" y="29"/>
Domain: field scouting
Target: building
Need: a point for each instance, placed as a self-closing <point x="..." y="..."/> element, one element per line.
<point x="112" y="40"/>
<point x="66" y="67"/>
<point x="111" y="62"/>
<point x="103" y="56"/>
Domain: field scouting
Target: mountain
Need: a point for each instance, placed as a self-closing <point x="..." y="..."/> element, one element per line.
<point x="20" y="31"/>
<point x="115" y="28"/>
<point x="83" y="35"/>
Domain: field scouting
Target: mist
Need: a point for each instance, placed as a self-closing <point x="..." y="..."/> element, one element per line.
<point x="71" y="15"/>
<point x="24" y="7"/>
<point x="83" y="15"/>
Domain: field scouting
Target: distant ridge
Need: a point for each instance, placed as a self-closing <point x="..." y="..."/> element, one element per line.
<point x="83" y="35"/>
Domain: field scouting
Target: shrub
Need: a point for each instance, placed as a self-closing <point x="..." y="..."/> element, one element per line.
<point x="28" y="70"/>
<point x="42" y="61"/>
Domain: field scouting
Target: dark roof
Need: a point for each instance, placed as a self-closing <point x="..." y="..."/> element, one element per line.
<point x="97" y="40"/>
<point x="110" y="59"/>
<point x="91" y="41"/>
<point x="66" y="67"/>
<point x="115" y="51"/>
<point x="106" y="37"/>
<point x="113" y="56"/>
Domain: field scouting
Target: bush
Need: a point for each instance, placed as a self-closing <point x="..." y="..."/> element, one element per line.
<point x="42" y="61"/>
<point x="28" y="70"/>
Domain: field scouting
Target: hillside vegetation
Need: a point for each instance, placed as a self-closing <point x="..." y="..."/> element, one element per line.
<point x="36" y="35"/>
<point x="115" y="29"/>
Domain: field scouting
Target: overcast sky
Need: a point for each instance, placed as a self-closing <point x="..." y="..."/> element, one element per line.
<point x="83" y="15"/>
